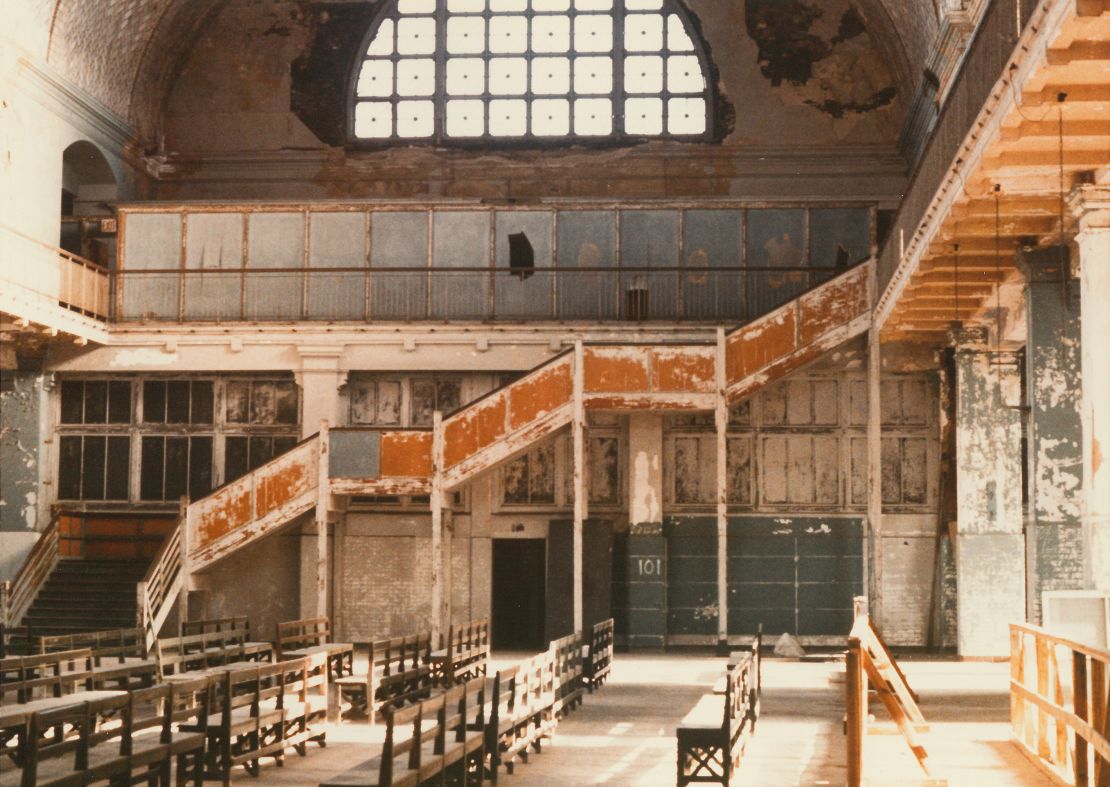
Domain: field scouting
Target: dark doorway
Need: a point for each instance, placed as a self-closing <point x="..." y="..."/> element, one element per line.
<point x="518" y="593"/>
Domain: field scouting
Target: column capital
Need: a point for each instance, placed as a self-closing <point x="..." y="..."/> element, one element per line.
<point x="969" y="338"/>
<point x="1090" y="204"/>
<point x="1042" y="266"/>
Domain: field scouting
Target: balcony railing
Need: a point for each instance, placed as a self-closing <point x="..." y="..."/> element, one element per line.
<point x="460" y="294"/>
<point x="988" y="54"/>
<point x="48" y="276"/>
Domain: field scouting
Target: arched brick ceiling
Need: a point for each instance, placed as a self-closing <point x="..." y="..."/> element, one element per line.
<point x="125" y="52"/>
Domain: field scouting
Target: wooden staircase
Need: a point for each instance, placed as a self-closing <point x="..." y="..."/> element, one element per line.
<point x="86" y="595"/>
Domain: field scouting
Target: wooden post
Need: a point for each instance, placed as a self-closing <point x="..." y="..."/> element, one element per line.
<point x="323" y="494"/>
<point x="437" y="525"/>
<point x="1043" y="750"/>
<point x="448" y="551"/>
<point x="855" y="704"/>
<point x="872" y="549"/>
<point x="721" y="418"/>
<point x="1100" y="718"/>
<point x="1017" y="675"/>
<point x="578" y="428"/>
<point x="186" y="571"/>
<point x="1079" y="699"/>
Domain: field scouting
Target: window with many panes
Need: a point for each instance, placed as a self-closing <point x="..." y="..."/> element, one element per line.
<point x="154" y="439"/>
<point x="459" y="70"/>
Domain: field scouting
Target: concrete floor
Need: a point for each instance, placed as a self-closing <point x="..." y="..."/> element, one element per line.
<point x="624" y="734"/>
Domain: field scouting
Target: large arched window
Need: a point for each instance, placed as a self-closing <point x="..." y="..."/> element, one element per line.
<point x="542" y="70"/>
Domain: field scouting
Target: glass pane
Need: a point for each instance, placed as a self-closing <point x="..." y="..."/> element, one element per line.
<point x="200" y="467"/>
<point x="286" y="403"/>
<point x="375" y="79"/>
<point x="415" y="118"/>
<point x="508" y="117"/>
<point x="593" y="5"/>
<point x="643" y="74"/>
<point x="416" y="36"/>
<point x="678" y="40"/>
<point x="96" y="402"/>
<point x="649" y="238"/>
<point x="177" y="402"/>
<point x="416" y="6"/>
<point x="500" y="6"/>
<point x="154" y="401"/>
<point x="276" y="240"/>
<point x="593" y="33"/>
<point x="398" y="240"/>
<point x="373" y="119"/>
<point x="460" y="240"/>
<point x="236" y="458"/>
<point x="466" y="118"/>
<point x="776" y="239"/>
<point x="416" y="77"/>
<point x="73" y="402"/>
<point x="119" y="402"/>
<point x="711" y="239"/>
<point x="686" y="115"/>
<point x="337" y="240"/>
<point x="214" y="240"/>
<point x="237" y="395"/>
<point x="508" y="76"/>
<point x="643" y="32"/>
<point x="550" y="34"/>
<point x="684" y="74"/>
<point x="152" y="241"/>
<point x="551" y="76"/>
<point x="119" y="469"/>
<point x="466" y="6"/>
<point x="152" y="471"/>
<point x="508" y="34"/>
<point x="92" y="468"/>
<point x="550" y="117"/>
<point x="550" y="5"/>
<point x="202" y="402"/>
<point x="466" y="35"/>
<point x="383" y="40"/>
<point x="177" y="466"/>
<point x="593" y="117"/>
<point x="839" y="237"/>
<point x="69" y="468"/>
<point x="593" y="75"/>
<point x="587" y="239"/>
<point x="466" y="76"/>
<point x="263" y="403"/>
<point x="643" y="116"/>
<point x="523" y="292"/>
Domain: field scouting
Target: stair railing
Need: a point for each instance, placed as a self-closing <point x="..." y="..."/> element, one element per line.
<point x="159" y="588"/>
<point x="19" y="593"/>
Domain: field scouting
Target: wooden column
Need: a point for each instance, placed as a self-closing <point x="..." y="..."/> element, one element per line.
<point x="873" y="541"/>
<point x="721" y="419"/>
<point x="323" y="495"/>
<point x="186" y="570"/>
<point x="578" y="428"/>
<point x="447" y="615"/>
<point x="437" y="526"/>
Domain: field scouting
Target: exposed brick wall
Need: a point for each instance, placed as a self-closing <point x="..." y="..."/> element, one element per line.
<point x="260" y="581"/>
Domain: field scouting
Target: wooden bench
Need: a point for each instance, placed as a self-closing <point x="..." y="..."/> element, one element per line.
<point x="599" y="660"/>
<point x="439" y="739"/>
<point x="466" y="654"/>
<point x="193" y="655"/>
<point x="567" y="652"/>
<point x="299" y="638"/>
<point x="237" y="629"/>
<point x="261" y="711"/>
<point x="522" y="711"/>
<point x="118" y="656"/>
<point x="712" y="737"/>
<point x="398" y="673"/>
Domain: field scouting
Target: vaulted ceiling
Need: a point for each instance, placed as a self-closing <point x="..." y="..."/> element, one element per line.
<point x="126" y="52"/>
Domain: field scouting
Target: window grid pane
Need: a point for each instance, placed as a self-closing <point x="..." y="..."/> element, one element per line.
<point x="472" y="70"/>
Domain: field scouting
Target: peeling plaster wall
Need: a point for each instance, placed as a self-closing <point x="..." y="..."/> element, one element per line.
<point x="645" y="451"/>
<point x="990" y="548"/>
<point x="1055" y="455"/>
<point x="21" y="406"/>
<point x="264" y="80"/>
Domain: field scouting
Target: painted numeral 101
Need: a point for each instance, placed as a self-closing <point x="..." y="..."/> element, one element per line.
<point x="650" y="566"/>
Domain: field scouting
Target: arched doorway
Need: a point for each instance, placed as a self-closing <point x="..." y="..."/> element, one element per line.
<point x="88" y="189"/>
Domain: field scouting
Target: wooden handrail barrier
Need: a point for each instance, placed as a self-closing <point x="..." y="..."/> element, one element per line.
<point x="1059" y="701"/>
<point x="159" y="588"/>
<point x="20" y="592"/>
<point x="868" y="661"/>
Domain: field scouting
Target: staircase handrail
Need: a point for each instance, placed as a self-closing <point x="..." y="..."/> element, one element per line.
<point x="19" y="593"/>
<point x="157" y="590"/>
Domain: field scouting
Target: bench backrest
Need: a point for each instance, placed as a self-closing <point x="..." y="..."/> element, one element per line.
<point x="217" y="625"/>
<point x="568" y="662"/>
<point x="400" y="654"/>
<point x="601" y="647"/>
<point x="84" y="734"/>
<point x="26" y="678"/>
<point x="199" y="651"/>
<point x="467" y="650"/>
<point x="295" y="634"/>
<point x="120" y="644"/>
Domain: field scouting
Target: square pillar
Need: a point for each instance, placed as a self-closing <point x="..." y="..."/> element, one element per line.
<point x="1055" y="431"/>
<point x="646" y="555"/>
<point x="1091" y="205"/>
<point x="990" y="546"/>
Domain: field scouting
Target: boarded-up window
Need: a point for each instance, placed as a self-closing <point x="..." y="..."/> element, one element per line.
<point x="905" y="470"/>
<point x="431" y="394"/>
<point x="801" y="403"/>
<point x="530" y="479"/>
<point x="261" y="402"/>
<point x="604" y="468"/>
<point x="739" y="470"/>
<point x="800" y="469"/>
<point x="906" y="402"/>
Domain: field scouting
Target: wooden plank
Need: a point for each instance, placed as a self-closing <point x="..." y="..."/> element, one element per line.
<point x="895" y="709"/>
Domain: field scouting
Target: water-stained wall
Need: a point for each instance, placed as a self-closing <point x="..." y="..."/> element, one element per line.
<point x="21" y="408"/>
